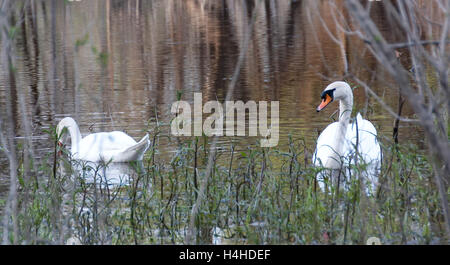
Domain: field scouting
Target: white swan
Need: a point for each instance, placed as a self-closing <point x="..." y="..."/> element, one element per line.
<point x="342" y="143"/>
<point x="104" y="146"/>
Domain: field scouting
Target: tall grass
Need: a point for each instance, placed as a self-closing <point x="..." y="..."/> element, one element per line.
<point x="254" y="195"/>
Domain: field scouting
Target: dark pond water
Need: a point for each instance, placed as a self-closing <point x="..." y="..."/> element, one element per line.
<point x="136" y="55"/>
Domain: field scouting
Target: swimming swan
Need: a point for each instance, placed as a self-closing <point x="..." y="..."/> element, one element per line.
<point x="337" y="146"/>
<point x="104" y="146"/>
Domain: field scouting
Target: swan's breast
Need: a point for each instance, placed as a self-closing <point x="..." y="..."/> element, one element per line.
<point x="327" y="153"/>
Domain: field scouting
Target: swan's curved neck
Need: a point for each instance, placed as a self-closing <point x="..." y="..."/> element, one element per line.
<point x="74" y="133"/>
<point x="345" y="110"/>
<point x="75" y="136"/>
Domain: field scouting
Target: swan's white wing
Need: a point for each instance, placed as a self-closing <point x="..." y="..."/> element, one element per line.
<point x="94" y="146"/>
<point x="132" y="153"/>
<point x="369" y="149"/>
<point x="368" y="146"/>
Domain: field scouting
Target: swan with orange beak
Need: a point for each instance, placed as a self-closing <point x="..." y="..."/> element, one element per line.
<point x="343" y="144"/>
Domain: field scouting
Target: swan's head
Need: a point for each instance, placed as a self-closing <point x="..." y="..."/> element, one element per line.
<point x="335" y="91"/>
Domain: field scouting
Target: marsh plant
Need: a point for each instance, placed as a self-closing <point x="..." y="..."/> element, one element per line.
<point x="254" y="195"/>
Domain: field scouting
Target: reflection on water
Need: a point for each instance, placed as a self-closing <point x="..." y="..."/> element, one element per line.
<point x="112" y="174"/>
<point x="114" y="65"/>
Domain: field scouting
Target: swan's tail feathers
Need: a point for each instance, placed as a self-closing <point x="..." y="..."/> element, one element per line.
<point x="358" y="121"/>
<point x="137" y="151"/>
<point x="145" y="139"/>
<point x="359" y="117"/>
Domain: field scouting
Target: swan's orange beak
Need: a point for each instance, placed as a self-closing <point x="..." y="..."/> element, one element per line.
<point x="60" y="146"/>
<point x="324" y="103"/>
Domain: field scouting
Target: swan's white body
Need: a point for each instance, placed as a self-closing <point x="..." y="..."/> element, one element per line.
<point x="343" y="144"/>
<point x="104" y="146"/>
